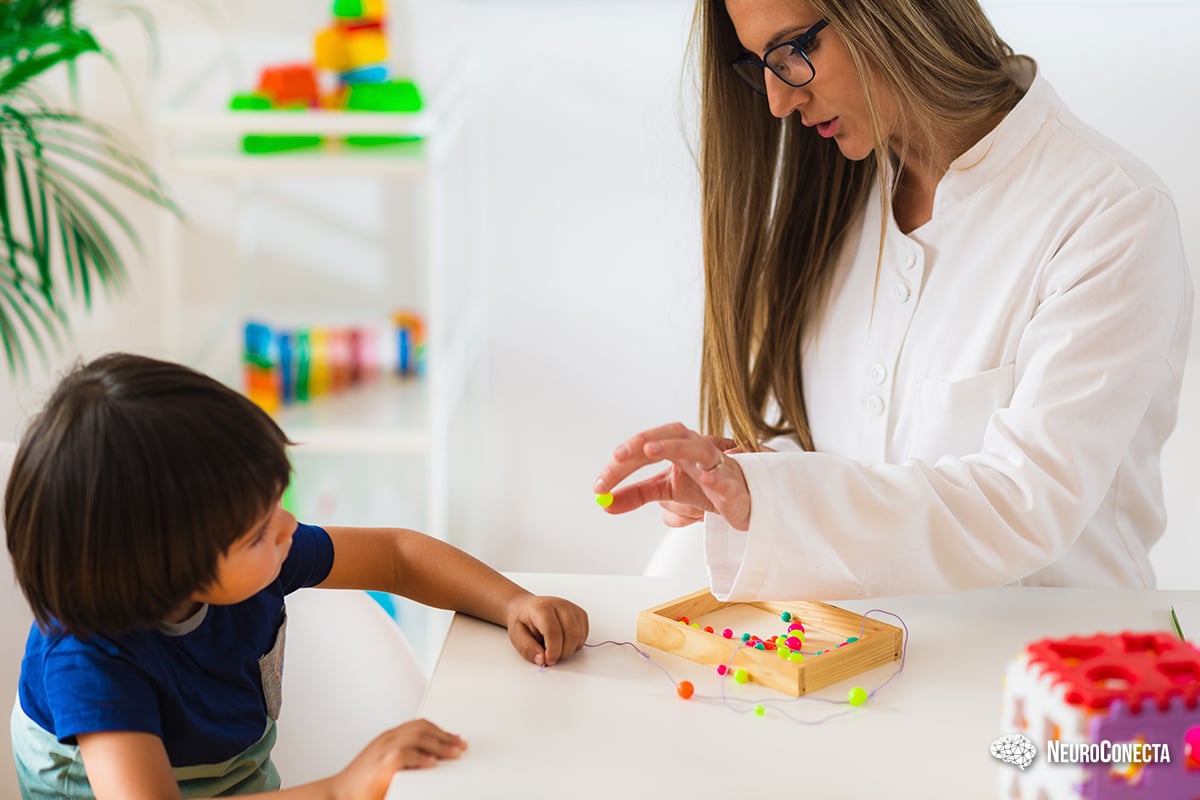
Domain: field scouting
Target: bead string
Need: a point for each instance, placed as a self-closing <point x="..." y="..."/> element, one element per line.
<point x="759" y="706"/>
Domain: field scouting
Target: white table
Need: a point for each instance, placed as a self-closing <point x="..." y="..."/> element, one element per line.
<point x="606" y="724"/>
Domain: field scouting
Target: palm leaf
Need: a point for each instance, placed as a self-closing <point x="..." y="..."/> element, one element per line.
<point x="52" y="166"/>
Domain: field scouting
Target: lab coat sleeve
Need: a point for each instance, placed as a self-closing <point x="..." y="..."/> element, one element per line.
<point x="1111" y="302"/>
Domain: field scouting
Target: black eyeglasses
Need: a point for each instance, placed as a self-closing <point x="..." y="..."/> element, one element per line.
<point x="787" y="61"/>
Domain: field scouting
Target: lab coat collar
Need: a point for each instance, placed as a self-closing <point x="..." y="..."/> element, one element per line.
<point x="992" y="154"/>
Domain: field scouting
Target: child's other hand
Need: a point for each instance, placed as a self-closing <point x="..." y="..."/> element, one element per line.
<point x="414" y="745"/>
<point x="546" y="629"/>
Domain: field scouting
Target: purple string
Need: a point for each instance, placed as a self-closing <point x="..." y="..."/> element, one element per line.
<point x="772" y="702"/>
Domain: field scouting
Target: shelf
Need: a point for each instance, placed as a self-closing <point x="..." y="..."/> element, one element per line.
<point x="322" y="123"/>
<point x="390" y="415"/>
<point x="217" y="158"/>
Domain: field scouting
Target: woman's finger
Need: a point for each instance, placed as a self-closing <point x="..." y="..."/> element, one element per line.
<point x="630" y="455"/>
<point x="651" y="490"/>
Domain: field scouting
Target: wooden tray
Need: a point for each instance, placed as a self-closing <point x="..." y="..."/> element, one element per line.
<point x="826" y="628"/>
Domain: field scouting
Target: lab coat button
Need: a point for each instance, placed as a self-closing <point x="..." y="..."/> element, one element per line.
<point x="901" y="293"/>
<point x="878" y="373"/>
<point x="875" y="404"/>
<point x="910" y="260"/>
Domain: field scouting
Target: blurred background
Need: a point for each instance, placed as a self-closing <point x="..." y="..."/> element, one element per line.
<point x="564" y="203"/>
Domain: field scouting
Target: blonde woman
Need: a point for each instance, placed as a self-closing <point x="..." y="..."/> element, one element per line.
<point x="945" y="320"/>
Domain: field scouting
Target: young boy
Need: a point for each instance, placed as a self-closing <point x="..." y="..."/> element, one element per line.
<point x="145" y="527"/>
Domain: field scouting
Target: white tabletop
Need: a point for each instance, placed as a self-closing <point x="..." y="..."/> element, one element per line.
<point x="607" y="724"/>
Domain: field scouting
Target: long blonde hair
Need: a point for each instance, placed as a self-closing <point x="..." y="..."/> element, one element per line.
<point x="776" y="199"/>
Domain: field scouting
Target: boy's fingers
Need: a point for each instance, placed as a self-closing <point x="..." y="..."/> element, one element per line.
<point x="526" y="643"/>
<point x="437" y="742"/>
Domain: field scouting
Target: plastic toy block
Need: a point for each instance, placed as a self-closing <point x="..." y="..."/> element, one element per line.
<point x="876" y="643"/>
<point x="375" y="73"/>
<point x="366" y="23"/>
<point x="1102" y="669"/>
<point x="359" y="9"/>
<point x="260" y="143"/>
<point x="335" y="100"/>
<point x="394" y="95"/>
<point x="1122" y="689"/>
<point x="250" y="101"/>
<point x="329" y="49"/>
<point x="365" y="47"/>
<point x="289" y="84"/>
<point x="349" y="9"/>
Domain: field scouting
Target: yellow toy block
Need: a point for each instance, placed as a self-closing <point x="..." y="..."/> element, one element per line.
<point x="330" y="49"/>
<point x="365" y="47"/>
<point x="375" y="9"/>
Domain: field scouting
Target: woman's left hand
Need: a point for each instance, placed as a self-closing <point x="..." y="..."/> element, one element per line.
<point x="545" y="629"/>
<point x="701" y="477"/>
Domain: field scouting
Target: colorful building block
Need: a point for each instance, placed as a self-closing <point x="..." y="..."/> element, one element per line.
<point x="1088" y="692"/>
<point x="329" y="49"/>
<point x="289" y="85"/>
<point x="366" y="46"/>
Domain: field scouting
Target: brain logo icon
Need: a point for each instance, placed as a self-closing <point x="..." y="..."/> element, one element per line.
<point x="1014" y="749"/>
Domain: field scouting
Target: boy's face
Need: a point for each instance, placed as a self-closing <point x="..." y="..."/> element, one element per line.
<point x="252" y="561"/>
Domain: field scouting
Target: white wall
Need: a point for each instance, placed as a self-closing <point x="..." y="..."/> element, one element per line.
<point x="592" y="235"/>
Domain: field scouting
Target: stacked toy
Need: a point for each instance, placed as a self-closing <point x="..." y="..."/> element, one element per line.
<point x="352" y="50"/>
<point x="1071" y="703"/>
<point x="283" y="366"/>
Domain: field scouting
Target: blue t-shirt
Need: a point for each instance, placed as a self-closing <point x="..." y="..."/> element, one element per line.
<point x="198" y="685"/>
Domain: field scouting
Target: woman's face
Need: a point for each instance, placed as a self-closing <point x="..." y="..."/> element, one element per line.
<point x="833" y="101"/>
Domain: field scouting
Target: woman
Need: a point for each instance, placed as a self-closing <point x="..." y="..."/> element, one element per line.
<point x="945" y="320"/>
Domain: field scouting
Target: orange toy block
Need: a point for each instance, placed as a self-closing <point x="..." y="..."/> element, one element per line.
<point x="289" y="85"/>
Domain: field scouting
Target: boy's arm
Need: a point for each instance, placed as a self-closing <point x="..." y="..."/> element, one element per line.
<point x="434" y="573"/>
<point x="127" y="765"/>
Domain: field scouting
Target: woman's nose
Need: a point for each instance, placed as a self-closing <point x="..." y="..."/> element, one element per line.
<point x="783" y="99"/>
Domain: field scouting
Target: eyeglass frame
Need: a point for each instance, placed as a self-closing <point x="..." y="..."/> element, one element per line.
<point x="800" y="44"/>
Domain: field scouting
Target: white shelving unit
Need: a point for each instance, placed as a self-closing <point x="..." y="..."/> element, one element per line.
<point x="401" y="417"/>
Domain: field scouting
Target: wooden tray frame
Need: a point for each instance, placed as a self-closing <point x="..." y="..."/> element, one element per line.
<point x="878" y="643"/>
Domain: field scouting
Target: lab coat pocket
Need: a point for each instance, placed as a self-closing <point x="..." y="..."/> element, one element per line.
<point x="952" y="416"/>
<point x="270" y="669"/>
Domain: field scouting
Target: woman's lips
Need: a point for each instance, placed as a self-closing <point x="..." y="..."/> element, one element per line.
<point x="827" y="128"/>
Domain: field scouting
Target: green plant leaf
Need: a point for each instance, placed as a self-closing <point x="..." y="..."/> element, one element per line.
<point x="57" y="174"/>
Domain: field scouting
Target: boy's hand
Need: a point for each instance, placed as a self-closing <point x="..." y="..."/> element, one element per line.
<point x="414" y="745"/>
<point x="546" y="629"/>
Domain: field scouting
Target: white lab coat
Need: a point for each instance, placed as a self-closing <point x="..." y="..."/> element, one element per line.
<point x="995" y="411"/>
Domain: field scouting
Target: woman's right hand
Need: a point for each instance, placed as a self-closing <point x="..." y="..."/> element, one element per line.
<point x="414" y="745"/>
<point x="699" y="477"/>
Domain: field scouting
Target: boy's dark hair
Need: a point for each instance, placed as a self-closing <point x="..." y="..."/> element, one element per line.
<point x="136" y="475"/>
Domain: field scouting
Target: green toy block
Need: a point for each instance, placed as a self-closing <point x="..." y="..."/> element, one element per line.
<point x="348" y="9"/>
<point x="250" y="101"/>
<point x="381" y="141"/>
<point x="260" y="143"/>
<point x="394" y="95"/>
